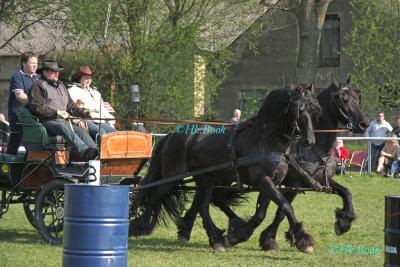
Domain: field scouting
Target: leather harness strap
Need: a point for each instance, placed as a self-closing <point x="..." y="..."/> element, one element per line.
<point x="311" y="181"/>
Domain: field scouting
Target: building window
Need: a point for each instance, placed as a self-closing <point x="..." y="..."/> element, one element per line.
<point x="250" y="101"/>
<point x="329" y="48"/>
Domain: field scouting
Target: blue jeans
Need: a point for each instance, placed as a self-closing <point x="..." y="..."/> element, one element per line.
<point x="375" y="151"/>
<point x="394" y="167"/>
<point x="94" y="129"/>
<point x="77" y="138"/>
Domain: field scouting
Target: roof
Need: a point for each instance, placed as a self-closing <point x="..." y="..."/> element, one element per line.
<point x="225" y="23"/>
<point x="40" y="38"/>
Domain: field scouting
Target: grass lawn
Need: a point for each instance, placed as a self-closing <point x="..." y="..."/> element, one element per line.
<point x="20" y="245"/>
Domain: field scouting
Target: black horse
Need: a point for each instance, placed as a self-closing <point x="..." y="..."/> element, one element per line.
<point x="265" y="138"/>
<point x="340" y="104"/>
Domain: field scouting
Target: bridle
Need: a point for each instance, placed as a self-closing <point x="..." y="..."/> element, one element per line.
<point x="343" y="110"/>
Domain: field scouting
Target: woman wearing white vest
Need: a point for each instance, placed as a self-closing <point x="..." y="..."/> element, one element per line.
<point x="89" y="98"/>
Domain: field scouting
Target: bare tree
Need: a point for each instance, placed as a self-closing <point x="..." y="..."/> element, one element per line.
<point x="310" y="16"/>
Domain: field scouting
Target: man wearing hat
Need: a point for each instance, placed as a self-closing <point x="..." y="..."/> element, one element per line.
<point x="51" y="102"/>
<point x="88" y="98"/>
<point x="20" y="83"/>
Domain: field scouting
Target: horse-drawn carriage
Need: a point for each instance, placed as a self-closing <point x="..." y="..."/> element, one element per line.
<point x="257" y="153"/>
<point x="36" y="177"/>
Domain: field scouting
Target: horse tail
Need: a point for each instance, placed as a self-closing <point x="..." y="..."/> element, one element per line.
<point x="165" y="199"/>
<point x="223" y="197"/>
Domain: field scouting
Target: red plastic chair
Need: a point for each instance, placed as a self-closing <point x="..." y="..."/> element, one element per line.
<point x="358" y="159"/>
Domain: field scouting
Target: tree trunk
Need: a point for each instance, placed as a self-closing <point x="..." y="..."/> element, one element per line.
<point x="311" y="16"/>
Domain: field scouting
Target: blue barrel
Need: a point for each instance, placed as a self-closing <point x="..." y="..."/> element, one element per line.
<point x="96" y="225"/>
<point x="392" y="231"/>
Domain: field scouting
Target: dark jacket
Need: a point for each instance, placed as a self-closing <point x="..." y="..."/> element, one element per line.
<point x="47" y="97"/>
<point x="19" y="80"/>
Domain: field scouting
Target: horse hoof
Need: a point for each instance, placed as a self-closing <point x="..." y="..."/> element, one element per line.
<point x="270" y="245"/>
<point x="182" y="239"/>
<point x="218" y="247"/>
<point x="337" y="230"/>
<point x="309" y="249"/>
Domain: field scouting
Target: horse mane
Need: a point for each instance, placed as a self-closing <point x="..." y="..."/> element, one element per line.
<point x="280" y="110"/>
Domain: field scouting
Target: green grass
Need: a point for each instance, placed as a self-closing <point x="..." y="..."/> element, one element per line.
<point x="20" y="245"/>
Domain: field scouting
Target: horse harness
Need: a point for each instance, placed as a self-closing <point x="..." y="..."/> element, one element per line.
<point x="279" y="156"/>
<point x="237" y="162"/>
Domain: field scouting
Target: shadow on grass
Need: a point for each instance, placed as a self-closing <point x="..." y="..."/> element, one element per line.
<point x="20" y="237"/>
<point x="166" y="245"/>
<point x="161" y="244"/>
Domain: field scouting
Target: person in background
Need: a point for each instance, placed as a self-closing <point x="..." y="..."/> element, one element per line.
<point x="236" y="116"/>
<point x="388" y="154"/>
<point x="87" y="97"/>
<point x="20" y="84"/>
<point x="341" y="153"/>
<point x="396" y="129"/>
<point x="378" y="128"/>
<point x="394" y="168"/>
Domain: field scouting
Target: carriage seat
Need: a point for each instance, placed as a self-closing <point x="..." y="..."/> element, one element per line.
<point x="12" y="158"/>
<point x="35" y="136"/>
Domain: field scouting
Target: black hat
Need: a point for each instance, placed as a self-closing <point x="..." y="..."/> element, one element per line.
<point x="53" y="65"/>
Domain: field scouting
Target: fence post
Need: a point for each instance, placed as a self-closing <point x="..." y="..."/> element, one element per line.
<point x="369" y="157"/>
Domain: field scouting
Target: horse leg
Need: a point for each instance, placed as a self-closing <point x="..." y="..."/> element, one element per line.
<point x="215" y="238"/>
<point x="185" y="225"/>
<point x="345" y="216"/>
<point x="240" y="230"/>
<point x="296" y="235"/>
<point x="268" y="236"/>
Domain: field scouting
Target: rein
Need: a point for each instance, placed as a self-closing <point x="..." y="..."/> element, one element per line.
<point x="166" y="122"/>
<point x="173" y="122"/>
<point x="332" y="131"/>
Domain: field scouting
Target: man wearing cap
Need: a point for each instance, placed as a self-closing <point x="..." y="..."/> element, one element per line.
<point x="88" y="98"/>
<point x="20" y="83"/>
<point x="51" y="102"/>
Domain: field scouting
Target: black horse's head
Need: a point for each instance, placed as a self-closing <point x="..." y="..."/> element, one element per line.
<point x="292" y="111"/>
<point x="344" y="105"/>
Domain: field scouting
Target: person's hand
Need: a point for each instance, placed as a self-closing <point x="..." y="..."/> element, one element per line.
<point x="86" y="114"/>
<point x="81" y="124"/>
<point x="62" y="114"/>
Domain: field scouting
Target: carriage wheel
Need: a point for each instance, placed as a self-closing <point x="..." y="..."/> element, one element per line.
<point x="49" y="212"/>
<point x="29" y="209"/>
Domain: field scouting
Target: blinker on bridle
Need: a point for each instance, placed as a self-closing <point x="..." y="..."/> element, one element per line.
<point x="340" y="107"/>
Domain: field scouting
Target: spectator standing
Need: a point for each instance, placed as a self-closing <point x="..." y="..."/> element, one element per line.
<point x="378" y="128"/>
<point x="396" y="129"/>
<point x="236" y="116"/>
<point x="20" y="84"/>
